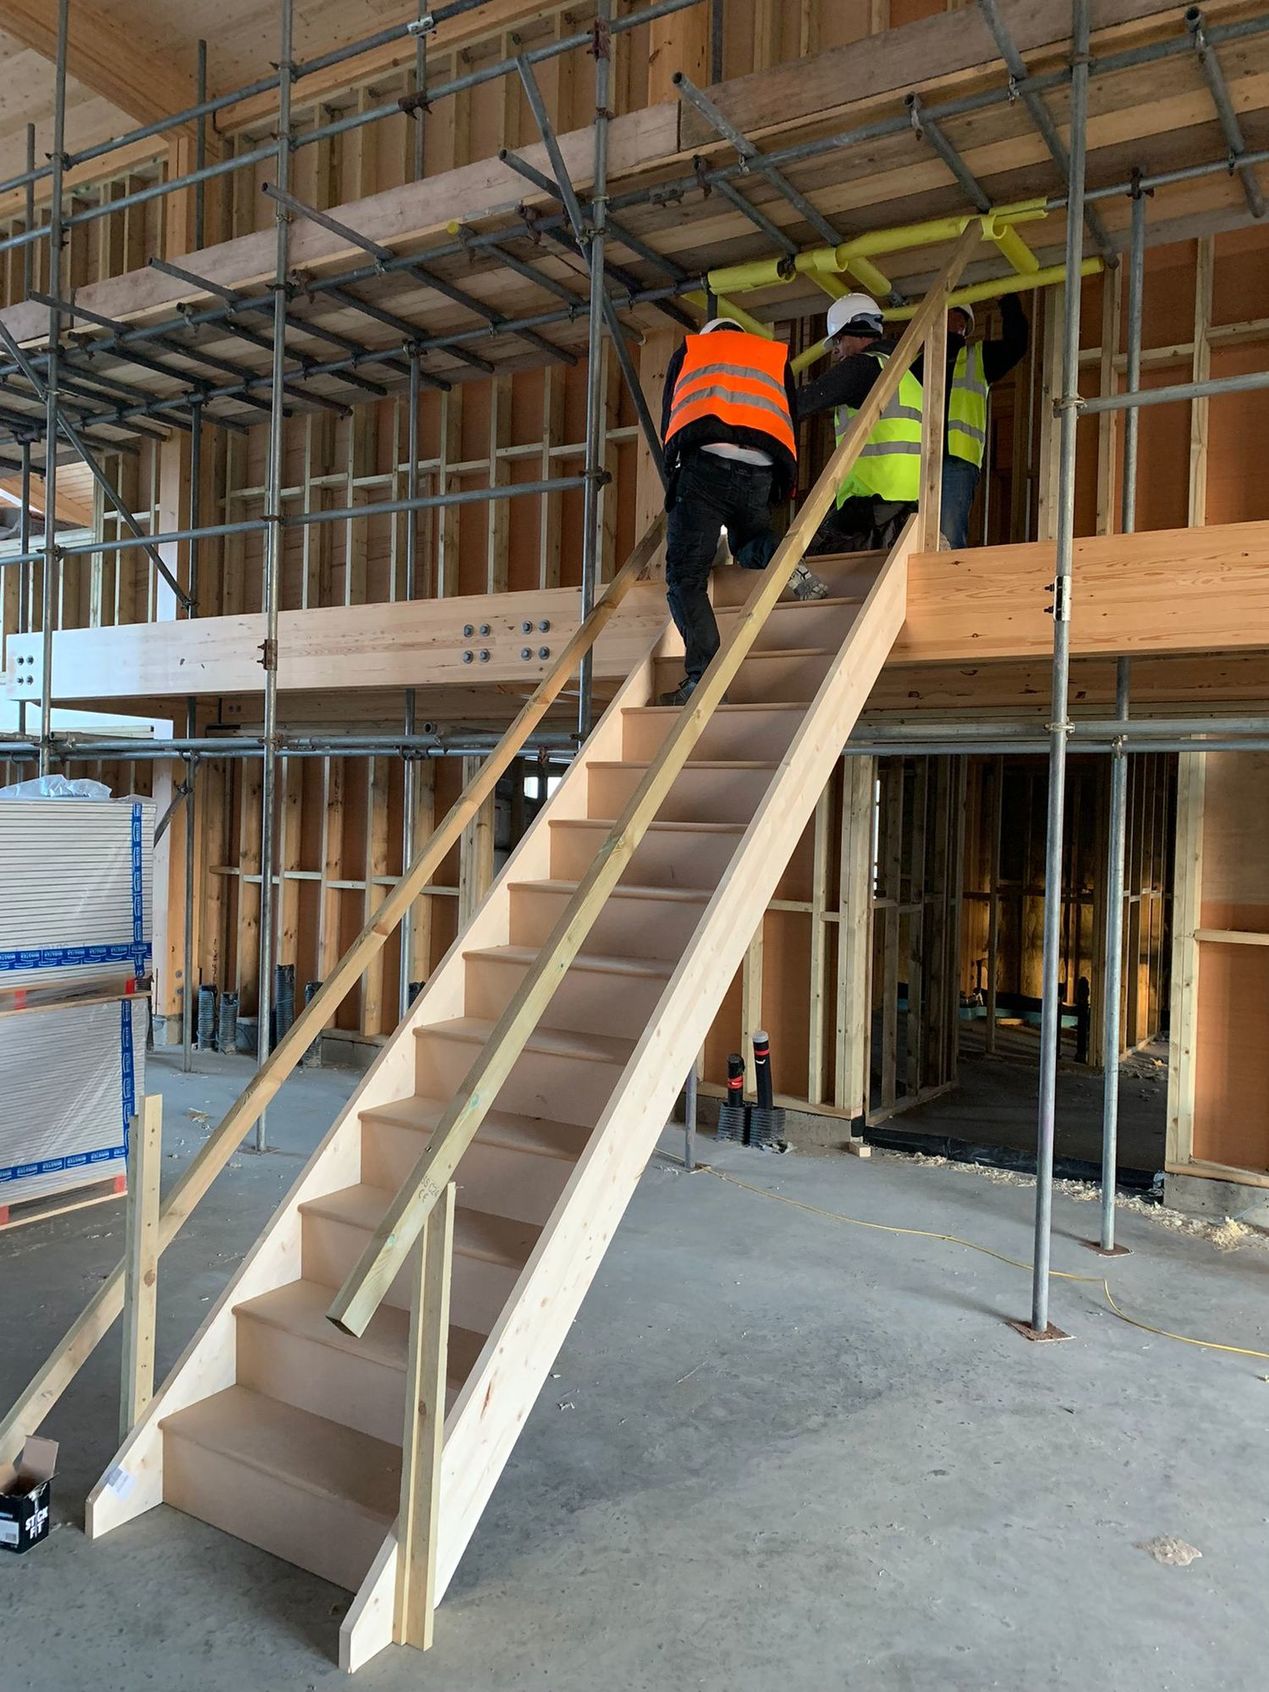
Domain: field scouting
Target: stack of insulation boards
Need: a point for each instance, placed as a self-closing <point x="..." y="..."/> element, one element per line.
<point x="76" y="880"/>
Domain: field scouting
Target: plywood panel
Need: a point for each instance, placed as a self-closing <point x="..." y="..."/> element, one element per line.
<point x="1231" y="1092"/>
<point x="1235" y="887"/>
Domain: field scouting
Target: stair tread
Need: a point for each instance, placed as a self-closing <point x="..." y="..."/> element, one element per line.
<point x="308" y="1451"/>
<point x="559" y="1042"/>
<point x="830" y="603"/>
<point x="300" y="1308"/>
<point x="624" y="890"/>
<point x="658" y="827"/>
<point x="702" y="764"/>
<point x="608" y="962"/>
<point x="477" y="1233"/>
<point x="740" y="705"/>
<point x="500" y="1127"/>
<point x="770" y="652"/>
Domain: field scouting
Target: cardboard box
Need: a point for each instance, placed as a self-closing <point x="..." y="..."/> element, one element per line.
<point x="26" y="1496"/>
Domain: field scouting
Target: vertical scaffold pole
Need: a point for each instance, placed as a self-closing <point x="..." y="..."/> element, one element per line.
<point x="409" y="774"/>
<point x="1059" y="727"/>
<point x="1118" y="827"/>
<point x="595" y="353"/>
<point x="52" y="558"/>
<point x="189" y="989"/>
<point x="273" y="545"/>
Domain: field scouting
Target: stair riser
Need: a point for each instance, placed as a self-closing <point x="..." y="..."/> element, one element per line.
<point x="477" y="1294"/>
<point x="634" y="928"/>
<point x="763" y="736"/>
<point x="358" y="1392"/>
<point x="521" y="1185"/>
<point x="328" y="1538"/>
<point x="810" y="623"/>
<point x="698" y="795"/>
<point x="763" y="676"/>
<point x="847" y="578"/>
<point x="558" y="1089"/>
<point x="660" y="859"/>
<point x="592" y="1001"/>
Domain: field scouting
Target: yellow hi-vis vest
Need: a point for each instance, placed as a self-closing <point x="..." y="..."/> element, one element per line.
<point x="967" y="407"/>
<point x="889" y="467"/>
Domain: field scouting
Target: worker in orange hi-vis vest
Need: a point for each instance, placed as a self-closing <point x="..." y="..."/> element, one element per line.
<point x="730" y="454"/>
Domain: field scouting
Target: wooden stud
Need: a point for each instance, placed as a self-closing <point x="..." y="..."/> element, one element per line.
<point x="819" y="950"/>
<point x="1200" y="371"/>
<point x="751" y="974"/>
<point x="141" y="1258"/>
<point x="476" y="852"/>
<point x="425" y="1382"/>
<point x="933" y="432"/>
<point x="1107" y="421"/>
<point x="854" y="936"/>
<point x="1187" y="899"/>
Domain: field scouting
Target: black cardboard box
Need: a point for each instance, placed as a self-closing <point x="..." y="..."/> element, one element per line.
<point x="26" y="1495"/>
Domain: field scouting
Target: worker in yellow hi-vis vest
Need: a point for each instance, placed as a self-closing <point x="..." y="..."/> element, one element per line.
<point x="881" y="491"/>
<point x="972" y="368"/>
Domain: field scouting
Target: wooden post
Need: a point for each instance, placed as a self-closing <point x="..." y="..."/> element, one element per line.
<point x="1200" y="371"/>
<point x="933" y="431"/>
<point x="1187" y="900"/>
<point x="854" y="937"/>
<point x="141" y="1271"/>
<point x="425" y="1378"/>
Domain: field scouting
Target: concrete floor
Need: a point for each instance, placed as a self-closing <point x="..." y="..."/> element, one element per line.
<point x="995" y="1104"/>
<point x="777" y="1451"/>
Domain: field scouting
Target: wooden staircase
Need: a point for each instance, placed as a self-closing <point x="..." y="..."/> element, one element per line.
<point x="286" y="1431"/>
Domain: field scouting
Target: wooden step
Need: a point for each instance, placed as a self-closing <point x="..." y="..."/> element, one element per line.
<point x="743" y="731"/>
<point x="489" y="1252"/>
<point x="778" y="676"/>
<point x="561" y="1075"/>
<point x="298" y="1485"/>
<point x="635" y="922"/>
<point x="671" y="854"/>
<point x="516" y="1166"/>
<point x="797" y="622"/>
<point x="721" y="791"/>
<point x="289" y="1351"/>
<point x="849" y="575"/>
<point x="598" y="995"/>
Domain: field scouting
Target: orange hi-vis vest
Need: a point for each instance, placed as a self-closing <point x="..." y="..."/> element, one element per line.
<point x="737" y="378"/>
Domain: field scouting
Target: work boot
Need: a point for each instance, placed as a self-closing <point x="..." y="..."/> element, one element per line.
<point x="805" y="584"/>
<point x="682" y="693"/>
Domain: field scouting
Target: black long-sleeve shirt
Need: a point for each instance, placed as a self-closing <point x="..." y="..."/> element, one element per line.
<point x="849" y="380"/>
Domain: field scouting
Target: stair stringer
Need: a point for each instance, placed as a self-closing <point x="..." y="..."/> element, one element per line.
<point x="133" y="1482"/>
<point x="487" y="1417"/>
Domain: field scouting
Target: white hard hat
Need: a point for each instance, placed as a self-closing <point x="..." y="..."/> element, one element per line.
<point x="965" y="310"/>
<point x="858" y="312"/>
<point x="720" y="323"/>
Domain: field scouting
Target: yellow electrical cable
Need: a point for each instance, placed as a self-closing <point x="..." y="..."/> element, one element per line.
<point x="987" y="1251"/>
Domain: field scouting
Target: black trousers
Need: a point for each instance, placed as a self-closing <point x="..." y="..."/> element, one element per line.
<point x="711" y="494"/>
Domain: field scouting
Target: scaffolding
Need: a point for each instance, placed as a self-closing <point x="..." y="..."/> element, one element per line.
<point x="69" y="390"/>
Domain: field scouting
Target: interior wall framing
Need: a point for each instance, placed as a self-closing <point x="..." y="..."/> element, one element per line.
<point x="1206" y="309"/>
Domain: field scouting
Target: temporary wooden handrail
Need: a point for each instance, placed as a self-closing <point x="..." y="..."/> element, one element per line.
<point x="385" y="1252"/>
<point x="81" y="1338"/>
<point x="424" y="1428"/>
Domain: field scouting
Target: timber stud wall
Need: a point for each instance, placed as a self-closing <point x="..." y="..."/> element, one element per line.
<point x="340" y="824"/>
